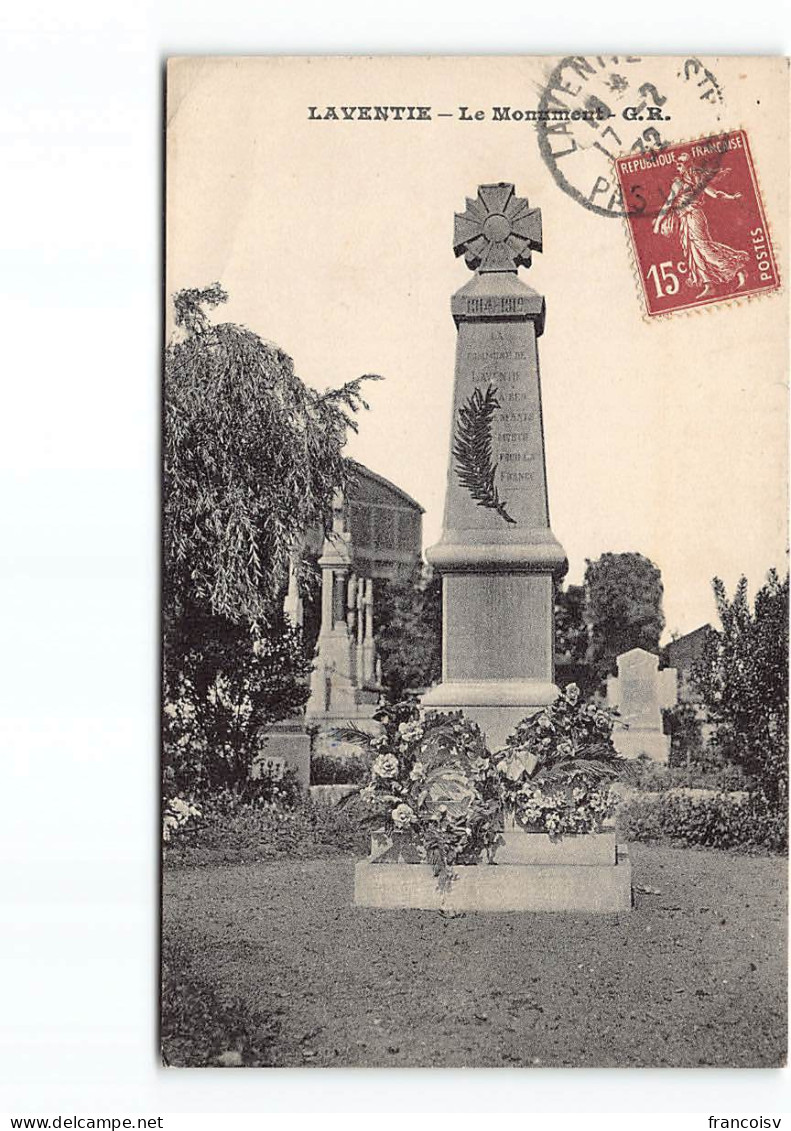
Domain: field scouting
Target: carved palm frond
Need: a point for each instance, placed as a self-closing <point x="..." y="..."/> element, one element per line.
<point x="472" y="450"/>
<point x="352" y="734"/>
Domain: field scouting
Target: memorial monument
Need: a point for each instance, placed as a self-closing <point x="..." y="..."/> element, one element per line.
<point x="498" y="558"/>
<point x="497" y="554"/>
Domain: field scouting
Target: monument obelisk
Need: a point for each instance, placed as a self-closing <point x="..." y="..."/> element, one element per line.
<point x="497" y="554"/>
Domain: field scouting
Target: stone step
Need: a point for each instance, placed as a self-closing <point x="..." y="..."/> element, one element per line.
<point x="586" y="849"/>
<point x="592" y="889"/>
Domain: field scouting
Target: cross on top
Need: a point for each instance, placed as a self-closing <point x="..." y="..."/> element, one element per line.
<point x="498" y="231"/>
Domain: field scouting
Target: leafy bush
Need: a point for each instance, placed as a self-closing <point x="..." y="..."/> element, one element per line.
<point x="176" y="813"/>
<point x="644" y="774"/>
<point x="743" y="681"/>
<point x="686" y="737"/>
<point x="199" y="1027"/>
<point x="722" y="821"/>
<point x="272" y="784"/>
<point x="234" y="830"/>
<point x="329" y="769"/>
<point x="212" y="727"/>
<point x="623" y="606"/>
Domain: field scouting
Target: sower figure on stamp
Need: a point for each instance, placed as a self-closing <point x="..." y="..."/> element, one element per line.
<point x="709" y="262"/>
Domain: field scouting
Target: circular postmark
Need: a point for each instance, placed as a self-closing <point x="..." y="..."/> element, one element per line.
<point x="594" y="109"/>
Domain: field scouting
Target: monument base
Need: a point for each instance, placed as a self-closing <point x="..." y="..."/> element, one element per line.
<point x="589" y="849"/>
<point x="587" y="888"/>
<point x="633" y="743"/>
<point x="495" y="705"/>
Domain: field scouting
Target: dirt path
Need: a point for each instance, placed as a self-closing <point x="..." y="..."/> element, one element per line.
<point x="695" y="975"/>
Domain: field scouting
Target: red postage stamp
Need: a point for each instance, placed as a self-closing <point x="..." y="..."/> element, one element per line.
<point x="697" y="223"/>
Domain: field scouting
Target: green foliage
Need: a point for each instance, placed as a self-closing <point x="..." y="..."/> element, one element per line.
<point x="201" y="1028"/>
<point x="472" y="450"/>
<point x="686" y="739"/>
<point x="571" y="628"/>
<point x="326" y="769"/>
<point x="623" y="606"/>
<point x="743" y="681"/>
<point x="252" y="459"/>
<point x="235" y="830"/>
<point x="409" y="632"/>
<point x="559" y="765"/>
<point x="726" y="821"/>
<point x="433" y="789"/>
<point x="648" y="776"/>
<point x="213" y="730"/>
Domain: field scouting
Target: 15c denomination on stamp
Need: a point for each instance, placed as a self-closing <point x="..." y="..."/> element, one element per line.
<point x="696" y="223"/>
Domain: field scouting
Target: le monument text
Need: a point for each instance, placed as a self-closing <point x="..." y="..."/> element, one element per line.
<point x="598" y="113"/>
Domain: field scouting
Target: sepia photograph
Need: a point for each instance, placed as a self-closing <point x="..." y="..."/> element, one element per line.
<point x="394" y="482"/>
<point x="475" y="575"/>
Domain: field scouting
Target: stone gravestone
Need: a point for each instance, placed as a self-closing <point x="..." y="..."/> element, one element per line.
<point x="497" y="554"/>
<point x="639" y="692"/>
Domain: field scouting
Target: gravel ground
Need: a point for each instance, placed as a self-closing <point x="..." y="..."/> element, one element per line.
<point x="694" y="975"/>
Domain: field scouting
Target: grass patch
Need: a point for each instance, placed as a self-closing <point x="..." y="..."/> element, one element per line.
<point x="200" y="1028"/>
<point x="234" y="831"/>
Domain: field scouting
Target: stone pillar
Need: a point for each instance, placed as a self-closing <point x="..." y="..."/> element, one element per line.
<point x="369" y="648"/>
<point x="497" y="553"/>
<point x="360" y="660"/>
<point x="333" y="679"/>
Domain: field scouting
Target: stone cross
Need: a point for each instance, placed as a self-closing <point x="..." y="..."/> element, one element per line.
<point x="498" y="231"/>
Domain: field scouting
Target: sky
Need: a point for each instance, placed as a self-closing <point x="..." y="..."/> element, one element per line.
<point x="334" y="239"/>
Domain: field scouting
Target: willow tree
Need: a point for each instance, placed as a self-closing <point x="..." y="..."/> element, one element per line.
<point x="252" y="459"/>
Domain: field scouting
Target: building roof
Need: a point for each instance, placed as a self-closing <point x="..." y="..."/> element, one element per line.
<point x="685" y="650"/>
<point x="361" y="472"/>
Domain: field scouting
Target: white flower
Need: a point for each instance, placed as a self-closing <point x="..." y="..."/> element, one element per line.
<point x="368" y="794"/>
<point x="410" y="732"/>
<point x="572" y="694"/>
<point x="516" y="764"/>
<point x="385" y="766"/>
<point x="544" y="721"/>
<point x="402" y="816"/>
<point x="418" y="771"/>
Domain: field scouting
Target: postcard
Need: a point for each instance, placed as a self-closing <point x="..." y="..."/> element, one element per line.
<point x="475" y="579"/>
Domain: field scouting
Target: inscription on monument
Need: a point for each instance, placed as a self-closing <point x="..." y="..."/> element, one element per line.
<point x="500" y="361"/>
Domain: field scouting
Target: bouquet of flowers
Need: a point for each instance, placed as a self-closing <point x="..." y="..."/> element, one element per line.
<point x="558" y="767"/>
<point x="433" y="792"/>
